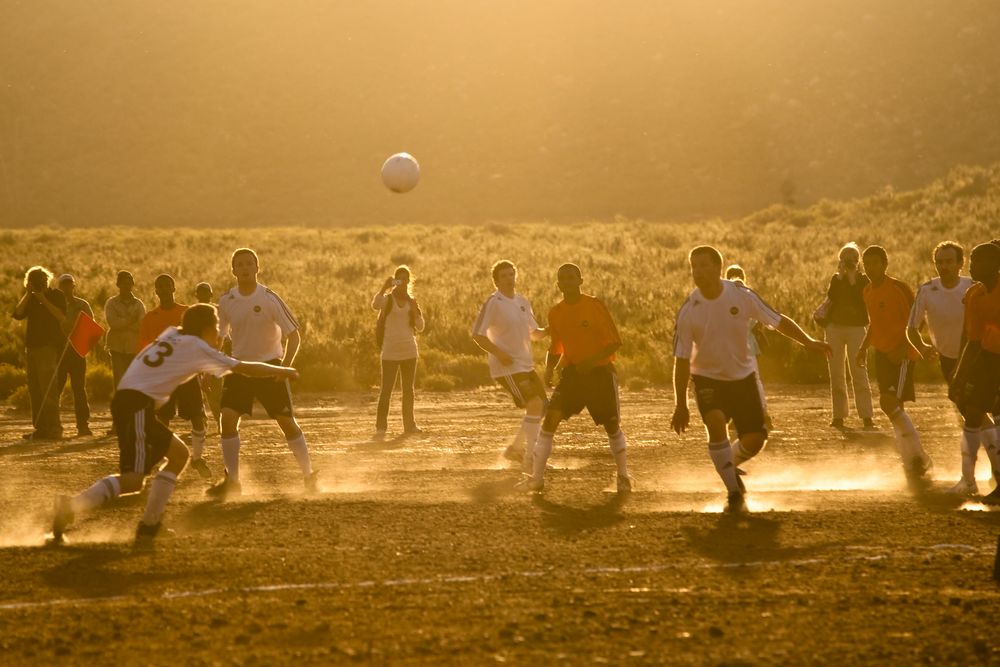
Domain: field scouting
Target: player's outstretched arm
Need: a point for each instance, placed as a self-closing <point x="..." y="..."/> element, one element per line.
<point x="292" y="344"/>
<point x="682" y="376"/>
<point x="259" y="369"/>
<point x="788" y="327"/>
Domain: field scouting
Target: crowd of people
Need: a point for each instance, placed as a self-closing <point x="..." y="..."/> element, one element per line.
<point x="166" y="361"/>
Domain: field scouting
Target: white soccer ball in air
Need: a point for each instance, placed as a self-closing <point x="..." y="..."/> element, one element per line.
<point x="400" y="172"/>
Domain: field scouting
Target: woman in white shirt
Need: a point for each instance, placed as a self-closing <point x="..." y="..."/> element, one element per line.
<point x="399" y="321"/>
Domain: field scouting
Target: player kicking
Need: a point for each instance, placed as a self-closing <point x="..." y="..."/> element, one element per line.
<point x="976" y="386"/>
<point x="186" y="401"/>
<point x="889" y="302"/>
<point x="257" y="323"/>
<point x="710" y="348"/>
<point x="175" y="357"/>
<point x="939" y="301"/>
<point x="504" y="330"/>
<point x="584" y="342"/>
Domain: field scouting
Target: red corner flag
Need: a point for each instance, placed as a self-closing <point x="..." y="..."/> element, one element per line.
<point x="85" y="334"/>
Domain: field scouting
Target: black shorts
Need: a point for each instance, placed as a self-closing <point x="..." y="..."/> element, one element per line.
<point x="143" y="440"/>
<point x="948" y="367"/>
<point x="596" y="390"/>
<point x="185" y="402"/>
<point x="894" y="378"/>
<point x="240" y="391"/>
<point x="523" y="387"/>
<point x="981" y="392"/>
<point x="738" y="400"/>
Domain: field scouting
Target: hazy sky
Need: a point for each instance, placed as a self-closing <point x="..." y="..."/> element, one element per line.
<point x="208" y="113"/>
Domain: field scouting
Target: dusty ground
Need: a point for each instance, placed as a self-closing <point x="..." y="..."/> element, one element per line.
<point x="418" y="551"/>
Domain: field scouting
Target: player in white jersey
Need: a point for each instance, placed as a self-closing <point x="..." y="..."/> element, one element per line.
<point x="710" y="346"/>
<point x="261" y="328"/>
<point x="175" y="357"/>
<point x="941" y="302"/>
<point x="504" y="330"/>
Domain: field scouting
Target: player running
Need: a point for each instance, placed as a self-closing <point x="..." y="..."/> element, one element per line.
<point x="889" y="302"/>
<point x="710" y="348"/>
<point x="186" y="401"/>
<point x="939" y="301"/>
<point x="176" y="356"/>
<point x="504" y="330"/>
<point x="261" y="328"/>
<point x="584" y="342"/>
<point x="976" y="385"/>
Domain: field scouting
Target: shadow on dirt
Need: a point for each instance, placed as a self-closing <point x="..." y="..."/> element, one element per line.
<point x="212" y="514"/>
<point x="567" y="520"/>
<point x="92" y="572"/>
<point x="746" y="538"/>
<point x="491" y="491"/>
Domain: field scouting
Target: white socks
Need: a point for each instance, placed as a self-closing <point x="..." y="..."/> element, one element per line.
<point x="543" y="450"/>
<point x="99" y="493"/>
<point x="159" y="493"/>
<point x="722" y="457"/>
<point x="301" y="453"/>
<point x="197" y="443"/>
<point x="231" y="456"/>
<point x="907" y="438"/>
<point x="740" y="455"/>
<point x="618" y="444"/>
<point x="530" y="427"/>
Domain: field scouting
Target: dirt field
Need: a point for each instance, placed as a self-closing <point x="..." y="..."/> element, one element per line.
<point x="418" y="550"/>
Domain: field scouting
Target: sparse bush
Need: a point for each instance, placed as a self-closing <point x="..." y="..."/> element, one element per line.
<point x="637" y="384"/>
<point x="20" y="400"/>
<point x="100" y="383"/>
<point x="11" y="378"/>
<point x="438" y="382"/>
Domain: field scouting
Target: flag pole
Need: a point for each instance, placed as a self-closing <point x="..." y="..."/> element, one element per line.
<point x="52" y="381"/>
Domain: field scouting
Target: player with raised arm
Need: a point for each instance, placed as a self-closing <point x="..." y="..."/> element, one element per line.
<point x="889" y="302"/>
<point x="176" y="356"/>
<point x="976" y="385"/>
<point x="584" y="342"/>
<point x="710" y="348"/>
<point x="940" y="301"/>
<point x="261" y="328"/>
<point x="504" y="330"/>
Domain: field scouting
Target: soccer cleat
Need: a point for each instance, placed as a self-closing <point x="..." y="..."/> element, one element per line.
<point x="869" y="424"/>
<point x="624" y="483"/>
<point x="992" y="498"/>
<point x="83" y="431"/>
<point x="736" y="503"/>
<point x="917" y="474"/>
<point x="311" y="482"/>
<point x="201" y="468"/>
<point x="965" y="489"/>
<point x="145" y="533"/>
<point x="514" y="453"/>
<point x="224" y="489"/>
<point x="531" y="485"/>
<point x="837" y="422"/>
<point x="63" y="517"/>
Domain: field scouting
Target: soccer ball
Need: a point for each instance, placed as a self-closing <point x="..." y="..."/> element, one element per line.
<point x="400" y="172"/>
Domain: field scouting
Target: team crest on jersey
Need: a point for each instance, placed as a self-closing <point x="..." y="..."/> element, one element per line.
<point x="734" y="311"/>
<point x="523" y="309"/>
<point x="585" y="324"/>
<point x="256" y="309"/>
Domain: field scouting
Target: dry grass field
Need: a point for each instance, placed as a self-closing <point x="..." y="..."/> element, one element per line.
<point x="418" y="551"/>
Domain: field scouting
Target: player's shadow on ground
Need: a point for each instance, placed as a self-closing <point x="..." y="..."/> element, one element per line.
<point x="567" y="520"/>
<point x="384" y="445"/>
<point x="745" y="538"/>
<point x="92" y="572"/>
<point x="213" y="513"/>
<point x="491" y="491"/>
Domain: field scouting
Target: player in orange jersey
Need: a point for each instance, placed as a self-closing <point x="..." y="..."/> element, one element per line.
<point x="976" y="387"/>
<point x="888" y="302"/>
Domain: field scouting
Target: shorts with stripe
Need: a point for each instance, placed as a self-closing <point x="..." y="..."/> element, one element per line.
<point x="596" y="390"/>
<point x="186" y="402"/>
<point x="894" y="378"/>
<point x="143" y="440"/>
<point x="239" y="392"/>
<point x="523" y="387"/>
<point x="739" y="400"/>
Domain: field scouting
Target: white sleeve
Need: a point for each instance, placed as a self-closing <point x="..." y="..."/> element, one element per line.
<point x="683" y="334"/>
<point x="485" y="318"/>
<point x="282" y="315"/>
<point x="919" y="309"/>
<point x="215" y="362"/>
<point x="760" y="311"/>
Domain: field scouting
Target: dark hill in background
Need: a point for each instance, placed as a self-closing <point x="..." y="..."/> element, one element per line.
<point x="259" y="112"/>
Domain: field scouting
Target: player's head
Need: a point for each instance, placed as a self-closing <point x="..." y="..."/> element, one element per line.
<point x="876" y="261"/>
<point x="984" y="264"/>
<point x="849" y="255"/>
<point x="125" y="282"/>
<point x="202" y="321"/>
<point x="568" y="279"/>
<point x="37" y="278"/>
<point x="245" y="264"/>
<point x="736" y="273"/>
<point x="203" y="292"/>
<point x="164" y="286"/>
<point x="706" y="265"/>
<point x="67" y="283"/>
<point x="948" y="259"/>
<point x="504" y="274"/>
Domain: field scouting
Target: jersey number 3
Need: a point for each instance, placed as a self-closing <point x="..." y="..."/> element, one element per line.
<point x="158" y="355"/>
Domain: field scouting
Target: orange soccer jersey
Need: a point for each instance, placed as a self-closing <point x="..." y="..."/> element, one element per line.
<point x="982" y="317"/>
<point x="155" y="321"/>
<point x="581" y="330"/>
<point x="889" y="312"/>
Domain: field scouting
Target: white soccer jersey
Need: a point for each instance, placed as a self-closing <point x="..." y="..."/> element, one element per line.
<point x="170" y="361"/>
<point x="712" y="333"/>
<point x="945" y="314"/>
<point x="256" y="323"/>
<point x="508" y="323"/>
